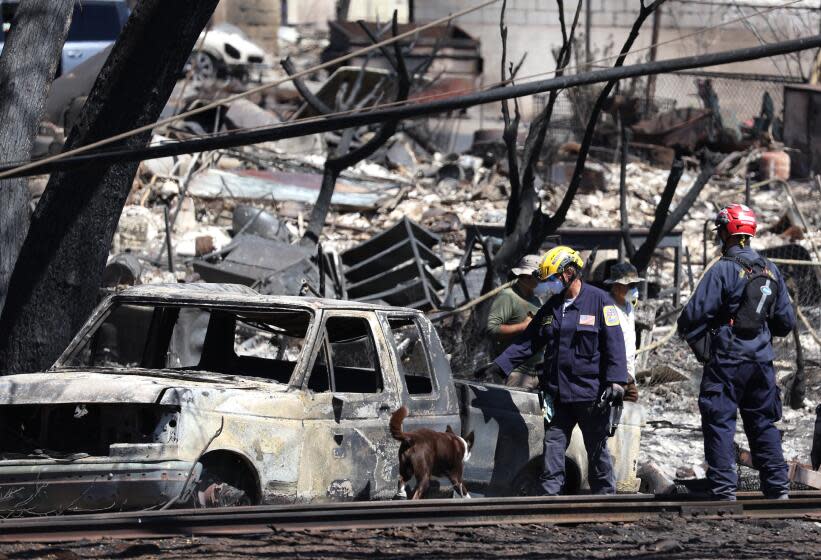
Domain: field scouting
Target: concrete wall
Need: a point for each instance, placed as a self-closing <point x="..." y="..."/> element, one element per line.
<point x="259" y="19"/>
<point x="315" y="12"/>
<point x="318" y="12"/>
<point x="533" y="28"/>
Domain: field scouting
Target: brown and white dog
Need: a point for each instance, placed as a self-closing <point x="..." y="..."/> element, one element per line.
<point x="425" y="453"/>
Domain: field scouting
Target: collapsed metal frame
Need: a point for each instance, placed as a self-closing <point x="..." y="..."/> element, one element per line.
<point x="410" y="110"/>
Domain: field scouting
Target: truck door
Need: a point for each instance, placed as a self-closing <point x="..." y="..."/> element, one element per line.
<point x="351" y="394"/>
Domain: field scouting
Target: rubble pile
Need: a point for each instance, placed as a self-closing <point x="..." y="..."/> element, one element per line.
<point x="240" y="215"/>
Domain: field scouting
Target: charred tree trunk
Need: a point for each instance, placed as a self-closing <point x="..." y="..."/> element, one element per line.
<point x="549" y="225"/>
<point x="624" y="218"/>
<point x="55" y="283"/>
<point x="334" y="166"/>
<point x="322" y="206"/>
<point x="31" y="55"/>
<point x="510" y="135"/>
<point x="796" y="385"/>
<point x="708" y="167"/>
<point x="342" y="9"/>
<point x="657" y="230"/>
<point x="522" y="212"/>
<point x="664" y="221"/>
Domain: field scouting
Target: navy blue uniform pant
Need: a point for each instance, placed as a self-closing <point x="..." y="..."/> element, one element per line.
<point x="593" y="424"/>
<point x="728" y="386"/>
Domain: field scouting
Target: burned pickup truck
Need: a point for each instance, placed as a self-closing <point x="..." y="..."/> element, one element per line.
<point x="213" y="395"/>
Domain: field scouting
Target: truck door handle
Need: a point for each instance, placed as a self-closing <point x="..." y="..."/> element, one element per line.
<point x="384" y="407"/>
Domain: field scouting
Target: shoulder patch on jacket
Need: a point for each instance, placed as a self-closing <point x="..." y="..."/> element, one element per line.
<point x="611" y="316"/>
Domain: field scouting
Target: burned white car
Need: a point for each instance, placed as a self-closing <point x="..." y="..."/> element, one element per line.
<point x="213" y="395"/>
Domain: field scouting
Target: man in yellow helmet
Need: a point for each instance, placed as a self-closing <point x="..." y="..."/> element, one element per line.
<point x="584" y="363"/>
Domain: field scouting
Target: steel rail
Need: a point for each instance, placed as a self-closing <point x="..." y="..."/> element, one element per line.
<point x="361" y="515"/>
<point x="319" y="125"/>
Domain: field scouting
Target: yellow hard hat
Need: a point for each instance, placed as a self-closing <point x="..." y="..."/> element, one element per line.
<point x="556" y="259"/>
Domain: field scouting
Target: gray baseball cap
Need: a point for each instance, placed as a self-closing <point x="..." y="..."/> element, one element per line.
<point x="527" y="265"/>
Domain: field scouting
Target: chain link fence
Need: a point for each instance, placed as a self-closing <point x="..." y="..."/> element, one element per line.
<point x="739" y="95"/>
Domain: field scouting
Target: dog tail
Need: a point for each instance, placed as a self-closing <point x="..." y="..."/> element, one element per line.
<point x="396" y="424"/>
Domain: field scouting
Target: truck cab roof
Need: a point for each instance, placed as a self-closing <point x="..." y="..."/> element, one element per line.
<point x="236" y="294"/>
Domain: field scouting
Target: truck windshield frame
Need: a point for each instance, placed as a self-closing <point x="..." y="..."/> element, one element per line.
<point x="265" y="344"/>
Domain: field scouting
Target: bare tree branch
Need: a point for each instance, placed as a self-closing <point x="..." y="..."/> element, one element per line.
<point x="657" y="230"/>
<point x="335" y="165"/>
<point x="521" y="211"/>
<point x="509" y="134"/>
<point x="308" y="96"/>
<point x="375" y="39"/>
<point x="550" y="225"/>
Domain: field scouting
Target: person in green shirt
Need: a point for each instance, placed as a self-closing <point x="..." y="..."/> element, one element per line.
<point x="510" y="313"/>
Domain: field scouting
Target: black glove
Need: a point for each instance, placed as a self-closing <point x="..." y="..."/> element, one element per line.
<point x="612" y="396"/>
<point x="490" y="369"/>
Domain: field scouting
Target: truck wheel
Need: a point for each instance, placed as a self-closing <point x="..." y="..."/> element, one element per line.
<point x="204" y="67"/>
<point x="528" y="483"/>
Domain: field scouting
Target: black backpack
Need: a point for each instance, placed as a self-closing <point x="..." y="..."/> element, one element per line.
<point x="758" y="299"/>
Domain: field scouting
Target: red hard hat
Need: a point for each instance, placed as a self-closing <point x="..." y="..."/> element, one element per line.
<point x="737" y="219"/>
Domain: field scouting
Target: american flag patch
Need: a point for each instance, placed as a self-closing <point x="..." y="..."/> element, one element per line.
<point x="587" y="320"/>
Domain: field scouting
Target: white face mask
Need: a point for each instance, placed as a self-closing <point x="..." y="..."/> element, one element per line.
<point x="633" y="296"/>
<point x="548" y="289"/>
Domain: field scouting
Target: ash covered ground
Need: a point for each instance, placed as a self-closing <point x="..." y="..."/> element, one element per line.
<point x="663" y="537"/>
<point x="672" y="438"/>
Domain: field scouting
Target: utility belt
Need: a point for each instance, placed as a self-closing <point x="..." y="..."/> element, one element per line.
<point x="701" y="343"/>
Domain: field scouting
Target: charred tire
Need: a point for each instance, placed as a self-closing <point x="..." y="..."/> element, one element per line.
<point x="204" y="67"/>
<point x="528" y="481"/>
<point x="226" y="481"/>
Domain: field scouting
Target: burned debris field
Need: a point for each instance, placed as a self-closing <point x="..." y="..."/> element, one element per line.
<point x="470" y="278"/>
<point x="660" y="538"/>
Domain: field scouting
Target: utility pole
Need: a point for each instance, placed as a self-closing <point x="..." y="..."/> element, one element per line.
<point x="650" y="93"/>
<point x="588" y="17"/>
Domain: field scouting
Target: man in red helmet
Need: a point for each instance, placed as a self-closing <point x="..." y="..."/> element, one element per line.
<point x="739" y="305"/>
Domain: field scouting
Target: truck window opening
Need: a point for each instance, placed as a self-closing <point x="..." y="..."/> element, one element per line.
<point x="265" y="344"/>
<point x="411" y="356"/>
<point x="350" y="350"/>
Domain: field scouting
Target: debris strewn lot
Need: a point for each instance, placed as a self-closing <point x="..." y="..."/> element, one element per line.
<point x="430" y="213"/>
<point x="670" y="538"/>
<point x="238" y="215"/>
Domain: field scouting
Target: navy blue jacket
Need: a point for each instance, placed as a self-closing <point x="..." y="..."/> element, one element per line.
<point x="584" y="349"/>
<point x="718" y="297"/>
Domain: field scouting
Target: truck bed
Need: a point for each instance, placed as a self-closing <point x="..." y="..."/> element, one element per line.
<point x="508" y="431"/>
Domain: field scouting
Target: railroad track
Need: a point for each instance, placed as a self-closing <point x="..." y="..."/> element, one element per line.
<point x="481" y="511"/>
